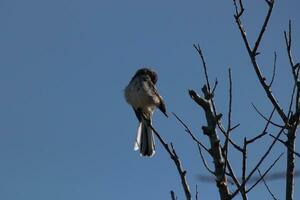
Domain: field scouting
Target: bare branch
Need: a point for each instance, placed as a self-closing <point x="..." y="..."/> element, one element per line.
<point x="230" y="101"/>
<point x="266" y="185"/>
<point x="290" y="161"/>
<point x="263" y="28"/>
<point x="288" y="42"/>
<point x="259" y="163"/>
<point x="234" y="127"/>
<point x="197" y="193"/>
<point x="293" y="118"/>
<point x="274" y="69"/>
<point x="210" y="131"/>
<point x="198" y="49"/>
<point x="204" y="161"/>
<point x="264" y="174"/>
<point x="223" y="131"/>
<point x="208" y="93"/>
<point x="265" y="118"/>
<point x="173" y="196"/>
<point x="177" y="162"/>
<point x="232" y="175"/>
<point x="215" y="86"/>
<point x="244" y="166"/>
<point x="252" y="55"/>
<point x="238" y="11"/>
<point x="285" y="144"/>
<point x="188" y="130"/>
<point x="292" y="101"/>
<point x="225" y="154"/>
<point x="264" y="132"/>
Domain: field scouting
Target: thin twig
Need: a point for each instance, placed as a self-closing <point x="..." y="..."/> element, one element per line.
<point x="229" y="122"/>
<point x="292" y="100"/>
<point x="177" y="162"/>
<point x="265" y="118"/>
<point x="215" y="86"/>
<point x="204" y="161"/>
<point x="209" y="93"/>
<point x="197" y="193"/>
<point x="223" y="131"/>
<point x="234" y="127"/>
<point x="198" y="49"/>
<point x="285" y="144"/>
<point x="266" y="185"/>
<point x="232" y="175"/>
<point x="252" y="54"/>
<point x="173" y="196"/>
<point x="264" y="132"/>
<point x="288" y="42"/>
<point x="259" y="163"/>
<point x="274" y="69"/>
<point x="244" y="169"/>
<point x="238" y="12"/>
<point x="263" y="28"/>
<point x="188" y="130"/>
<point x="264" y="174"/>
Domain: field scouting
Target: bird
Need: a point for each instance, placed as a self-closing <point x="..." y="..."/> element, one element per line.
<point x="142" y="95"/>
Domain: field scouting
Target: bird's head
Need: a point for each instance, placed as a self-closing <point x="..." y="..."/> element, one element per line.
<point x="149" y="72"/>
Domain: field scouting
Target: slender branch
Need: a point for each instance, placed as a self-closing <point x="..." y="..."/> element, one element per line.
<point x="244" y="169"/>
<point x="223" y="131"/>
<point x="173" y="196"/>
<point x="252" y="54"/>
<point x="182" y="173"/>
<point x="188" y="130"/>
<point x="264" y="26"/>
<point x="204" y="161"/>
<point x="264" y="174"/>
<point x="264" y="132"/>
<point x="230" y="102"/>
<point x="285" y="144"/>
<point x="238" y="12"/>
<point x="266" y="185"/>
<point x="198" y="49"/>
<point x="215" y="86"/>
<point x="258" y="164"/>
<point x="274" y="69"/>
<point x="234" y="127"/>
<point x="265" y="118"/>
<point x="288" y="42"/>
<point x="225" y="154"/>
<point x="197" y="193"/>
<point x="208" y="93"/>
<point x="232" y="175"/>
<point x="292" y="101"/>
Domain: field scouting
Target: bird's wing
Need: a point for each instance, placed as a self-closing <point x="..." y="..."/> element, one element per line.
<point x="138" y="114"/>
<point x="161" y="104"/>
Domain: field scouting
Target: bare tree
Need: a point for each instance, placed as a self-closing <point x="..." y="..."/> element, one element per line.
<point x="214" y="128"/>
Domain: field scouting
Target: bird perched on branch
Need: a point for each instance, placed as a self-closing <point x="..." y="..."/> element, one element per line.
<point x="142" y="95"/>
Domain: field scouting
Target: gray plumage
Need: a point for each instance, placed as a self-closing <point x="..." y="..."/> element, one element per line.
<point x="142" y="95"/>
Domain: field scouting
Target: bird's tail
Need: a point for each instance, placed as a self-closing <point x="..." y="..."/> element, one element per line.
<point x="144" y="139"/>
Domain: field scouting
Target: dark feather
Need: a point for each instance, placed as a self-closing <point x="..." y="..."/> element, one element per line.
<point x="162" y="107"/>
<point x="138" y="114"/>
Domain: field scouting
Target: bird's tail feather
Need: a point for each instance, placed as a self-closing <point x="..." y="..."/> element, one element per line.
<point x="145" y="140"/>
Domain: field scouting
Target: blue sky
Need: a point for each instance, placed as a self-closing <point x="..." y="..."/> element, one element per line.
<point x="66" y="131"/>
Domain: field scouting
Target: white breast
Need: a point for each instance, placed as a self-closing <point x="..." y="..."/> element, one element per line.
<point x="140" y="95"/>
